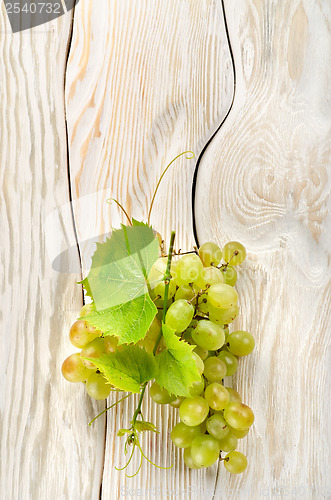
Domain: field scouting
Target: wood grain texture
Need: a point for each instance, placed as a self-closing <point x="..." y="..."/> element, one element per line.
<point x="45" y="451"/>
<point x="267" y="173"/>
<point x="144" y="83"/>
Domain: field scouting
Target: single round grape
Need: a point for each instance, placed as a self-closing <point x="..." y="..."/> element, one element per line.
<point x="156" y="279"/>
<point x="210" y="253"/>
<point x="182" y="435"/>
<point x="73" y="368"/>
<point x="203" y="304"/>
<point x="209" y="276"/>
<point x="223" y="316"/>
<point x="193" y="411"/>
<point x="230" y="275"/>
<point x="208" y="335"/>
<point x="184" y="292"/>
<point x="81" y="333"/>
<point x="240" y="434"/>
<point x="199" y="363"/>
<point x="239" y="415"/>
<point x="111" y="344"/>
<point x="222" y="296"/>
<point x="229" y="442"/>
<point x="215" y="369"/>
<point x="205" y="450"/>
<point x="201" y="352"/>
<point x="233" y="395"/>
<point x="148" y="342"/>
<point x="230" y="361"/>
<point x="159" y="395"/>
<point x="188" y="459"/>
<point x="234" y="253"/>
<point x="241" y="343"/>
<point x="179" y="315"/>
<point x="217" y="426"/>
<point x="196" y="388"/>
<point x="177" y="402"/>
<point x="235" y="462"/>
<point x="97" y="386"/>
<point x="94" y="349"/>
<point x="217" y="396"/>
<point x="188" y="269"/>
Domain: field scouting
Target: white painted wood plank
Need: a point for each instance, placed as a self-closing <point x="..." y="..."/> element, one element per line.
<point x="145" y="81"/>
<point x="46" y="450"/>
<point x="267" y="173"/>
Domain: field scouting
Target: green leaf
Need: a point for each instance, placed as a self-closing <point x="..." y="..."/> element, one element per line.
<point x="142" y="426"/>
<point x="129" y="322"/>
<point x="120" y="266"/>
<point x="138" y="223"/>
<point x="122" y="432"/>
<point x="128" y="369"/>
<point x="176" y="366"/>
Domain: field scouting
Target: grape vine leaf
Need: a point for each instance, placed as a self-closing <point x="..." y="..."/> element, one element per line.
<point x="120" y="266"/>
<point x="142" y="426"/>
<point x="127" y="369"/>
<point x="117" y="283"/>
<point x="176" y="367"/>
<point x="129" y="322"/>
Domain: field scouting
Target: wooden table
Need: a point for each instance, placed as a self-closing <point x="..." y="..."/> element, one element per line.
<point x="94" y="105"/>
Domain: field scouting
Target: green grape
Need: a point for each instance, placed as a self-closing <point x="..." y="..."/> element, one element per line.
<point x="179" y="315"/>
<point x="235" y="462"/>
<point x="230" y="275"/>
<point x="199" y="363"/>
<point x="177" y="402"/>
<point x="223" y="316"/>
<point x="159" y="395"/>
<point x="240" y="434"/>
<point x="217" y="426"/>
<point x="193" y="411"/>
<point x="234" y="252"/>
<point x="81" y="333"/>
<point x="217" y="396"/>
<point x="229" y="442"/>
<point x="111" y="344"/>
<point x="97" y="386"/>
<point x="182" y="435"/>
<point x="241" y="343"/>
<point x="188" y="269"/>
<point x="203" y="304"/>
<point x="94" y="349"/>
<point x="239" y="416"/>
<point x="184" y="292"/>
<point x="202" y="353"/>
<point x="208" y="335"/>
<point x="203" y="426"/>
<point x="156" y="279"/>
<point x="233" y="395"/>
<point x="196" y="388"/>
<point x="222" y="296"/>
<point x="188" y="459"/>
<point x="209" y="276"/>
<point x="148" y="342"/>
<point x="86" y="309"/>
<point x="210" y="253"/>
<point x="215" y="369"/>
<point x="73" y="369"/>
<point x="205" y="450"/>
<point x="230" y="361"/>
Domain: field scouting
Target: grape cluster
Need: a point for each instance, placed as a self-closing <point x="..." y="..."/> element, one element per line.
<point x="92" y="345"/>
<point x="202" y="304"/>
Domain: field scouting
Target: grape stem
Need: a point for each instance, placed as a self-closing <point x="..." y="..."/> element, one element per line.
<point x="166" y="277"/>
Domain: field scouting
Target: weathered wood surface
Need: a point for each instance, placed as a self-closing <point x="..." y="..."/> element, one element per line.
<point x="142" y="83"/>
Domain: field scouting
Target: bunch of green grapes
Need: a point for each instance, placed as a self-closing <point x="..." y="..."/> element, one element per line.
<point x="92" y="344"/>
<point x="203" y="302"/>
